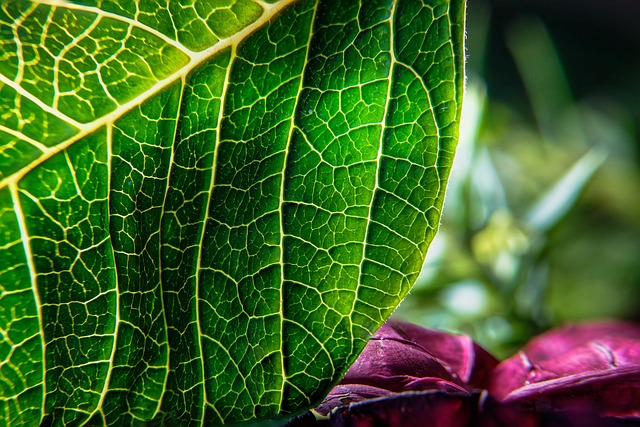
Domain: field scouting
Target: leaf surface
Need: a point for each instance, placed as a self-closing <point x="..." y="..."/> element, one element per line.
<point x="206" y="209"/>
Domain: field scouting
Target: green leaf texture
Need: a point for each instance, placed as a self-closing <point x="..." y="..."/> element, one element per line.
<point x="207" y="207"/>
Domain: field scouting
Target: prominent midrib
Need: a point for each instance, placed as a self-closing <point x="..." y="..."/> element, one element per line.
<point x="195" y="59"/>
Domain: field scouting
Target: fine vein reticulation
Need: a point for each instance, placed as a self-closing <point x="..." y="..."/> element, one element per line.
<point x="207" y="207"/>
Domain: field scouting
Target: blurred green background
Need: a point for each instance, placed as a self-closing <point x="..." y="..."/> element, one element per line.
<point x="541" y="224"/>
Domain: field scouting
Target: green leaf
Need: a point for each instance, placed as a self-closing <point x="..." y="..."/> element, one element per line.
<point x="206" y="209"/>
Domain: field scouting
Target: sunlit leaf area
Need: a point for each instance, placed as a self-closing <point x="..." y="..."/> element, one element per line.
<point x="541" y="225"/>
<point x="207" y="208"/>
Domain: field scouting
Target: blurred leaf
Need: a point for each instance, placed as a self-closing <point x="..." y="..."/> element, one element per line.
<point x="487" y="190"/>
<point x="557" y="201"/>
<point x="544" y="79"/>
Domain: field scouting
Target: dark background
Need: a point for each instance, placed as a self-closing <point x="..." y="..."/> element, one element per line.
<point x="598" y="42"/>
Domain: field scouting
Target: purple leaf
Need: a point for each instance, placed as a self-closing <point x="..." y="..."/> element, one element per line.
<point x="469" y="364"/>
<point x="591" y="368"/>
<point x="403" y="357"/>
<point x="578" y="376"/>
<point x="389" y="356"/>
